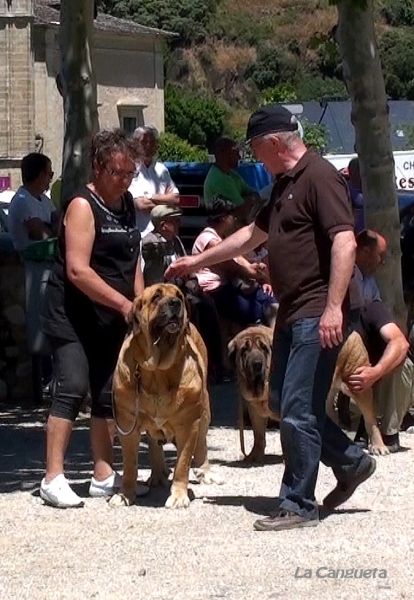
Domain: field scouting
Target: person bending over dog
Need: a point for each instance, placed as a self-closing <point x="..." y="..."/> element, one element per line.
<point x="390" y="374"/>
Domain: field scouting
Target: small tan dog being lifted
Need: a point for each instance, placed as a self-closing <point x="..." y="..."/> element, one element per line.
<point x="250" y="351"/>
<point x="160" y="388"/>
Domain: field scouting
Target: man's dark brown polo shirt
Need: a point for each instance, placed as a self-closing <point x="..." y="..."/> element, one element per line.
<point x="308" y="204"/>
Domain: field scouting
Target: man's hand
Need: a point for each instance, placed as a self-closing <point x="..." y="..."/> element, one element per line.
<point x="330" y="327"/>
<point x="261" y="272"/>
<point x="267" y="288"/>
<point x="362" y="379"/>
<point x="126" y="308"/>
<point x="143" y="203"/>
<point x="182" y="266"/>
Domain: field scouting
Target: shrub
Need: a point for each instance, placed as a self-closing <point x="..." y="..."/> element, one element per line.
<point x="189" y="18"/>
<point x="197" y="119"/>
<point x="312" y="87"/>
<point x="398" y="12"/>
<point x="174" y="149"/>
<point x="397" y="55"/>
<point x="240" y="28"/>
<point x="284" y="92"/>
<point x="315" y="136"/>
<point x="273" y="67"/>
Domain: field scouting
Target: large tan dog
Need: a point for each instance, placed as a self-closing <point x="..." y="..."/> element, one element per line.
<point x="250" y="351"/>
<point x="354" y="354"/>
<point x="160" y="388"/>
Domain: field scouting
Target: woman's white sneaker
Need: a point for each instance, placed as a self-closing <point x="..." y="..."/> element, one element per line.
<point x="111" y="485"/>
<point x="58" y="493"/>
<point x="107" y="487"/>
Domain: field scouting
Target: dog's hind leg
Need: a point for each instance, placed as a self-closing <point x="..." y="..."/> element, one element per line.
<point x="201" y="465"/>
<point x="365" y="402"/>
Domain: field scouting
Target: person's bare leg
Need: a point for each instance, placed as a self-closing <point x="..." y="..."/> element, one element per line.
<point x="58" y="433"/>
<point x="102" y="441"/>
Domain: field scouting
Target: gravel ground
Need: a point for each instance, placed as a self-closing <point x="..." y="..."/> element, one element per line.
<point x="207" y="551"/>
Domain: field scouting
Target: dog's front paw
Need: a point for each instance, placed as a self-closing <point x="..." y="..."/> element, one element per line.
<point x="121" y="500"/>
<point x="207" y="477"/>
<point x="178" y="500"/>
<point x="378" y="449"/>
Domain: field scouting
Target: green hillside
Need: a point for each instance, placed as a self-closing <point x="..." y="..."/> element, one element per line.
<point x="239" y="52"/>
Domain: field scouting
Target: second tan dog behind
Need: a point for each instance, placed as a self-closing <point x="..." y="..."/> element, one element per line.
<point x="250" y="352"/>
<point x="160" y="388"/>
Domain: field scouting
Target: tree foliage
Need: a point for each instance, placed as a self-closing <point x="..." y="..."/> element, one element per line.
<point x="189" y="18"/>
<point x="194" y="118"/>
<point x="315" y="136"/>
<point x="172" y="148"/>
<point x="398" y="12"/>
<point x="285" y="92"/>
<point x="273" y="67"/>
<point x="397" y="53"/>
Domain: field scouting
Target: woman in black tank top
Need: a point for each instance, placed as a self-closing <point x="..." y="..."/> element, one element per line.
<point x="96" y="275"/>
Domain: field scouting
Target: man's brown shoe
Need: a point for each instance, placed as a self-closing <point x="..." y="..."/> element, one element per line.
<point x="344" y="490"/>
<point x="283" y="519"/>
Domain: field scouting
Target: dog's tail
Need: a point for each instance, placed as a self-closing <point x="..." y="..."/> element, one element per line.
<point x="241" y="426"/>
<point x="334" y="389"/>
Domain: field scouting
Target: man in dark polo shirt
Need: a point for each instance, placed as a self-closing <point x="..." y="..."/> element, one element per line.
<point x="308" y="224"/>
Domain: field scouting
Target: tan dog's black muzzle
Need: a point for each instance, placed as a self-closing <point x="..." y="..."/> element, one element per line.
<point x="255" y="370"/>
<point x="169" y="317"/>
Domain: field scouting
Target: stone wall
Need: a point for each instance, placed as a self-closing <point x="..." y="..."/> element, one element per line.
<point x="17" y="134"/>
<point x="15" y="362"/>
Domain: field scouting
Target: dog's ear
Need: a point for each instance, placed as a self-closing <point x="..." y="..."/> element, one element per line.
<point x="133" y="319"/>
<point x="231" y="352"/>
<point x="187" y="328"/>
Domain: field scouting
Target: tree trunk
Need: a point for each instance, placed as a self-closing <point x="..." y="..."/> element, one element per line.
<point x="79" y="92"/>
<point x="363" y="76"/>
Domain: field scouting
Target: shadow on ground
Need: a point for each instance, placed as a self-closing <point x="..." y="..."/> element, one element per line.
<point x="264" y="505"/>
<point x="23" y="444"/>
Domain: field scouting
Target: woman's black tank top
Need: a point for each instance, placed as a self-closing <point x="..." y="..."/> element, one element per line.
<point x="67" y="312"/>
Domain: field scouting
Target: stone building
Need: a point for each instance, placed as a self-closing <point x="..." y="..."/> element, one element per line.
<point x="128" y="64"/>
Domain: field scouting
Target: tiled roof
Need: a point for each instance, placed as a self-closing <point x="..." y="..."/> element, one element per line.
<point x="47" y="11"/>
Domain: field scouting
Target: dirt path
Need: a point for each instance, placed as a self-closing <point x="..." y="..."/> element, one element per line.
<point x="208" y="551"/>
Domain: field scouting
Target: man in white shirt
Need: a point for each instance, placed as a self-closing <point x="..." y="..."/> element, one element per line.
<point x="153" y="184"/>
<point x="31" y="212"/>
<point x="370" y="255"/>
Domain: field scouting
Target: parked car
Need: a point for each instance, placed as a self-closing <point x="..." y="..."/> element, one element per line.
<point x="189" y="178"/>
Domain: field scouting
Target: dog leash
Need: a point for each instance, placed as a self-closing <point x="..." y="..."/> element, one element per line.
<point x="241" y="426"/>
<point x="128" y="432"/>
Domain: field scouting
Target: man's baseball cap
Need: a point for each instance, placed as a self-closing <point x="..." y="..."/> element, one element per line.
<point x="163" y="211"/>
<point x="270" y="119"/>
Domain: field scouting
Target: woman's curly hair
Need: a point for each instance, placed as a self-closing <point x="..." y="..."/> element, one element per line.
<point x="106" y="143"/>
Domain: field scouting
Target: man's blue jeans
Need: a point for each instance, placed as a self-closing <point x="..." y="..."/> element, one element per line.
<point x="301" y="377"/>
